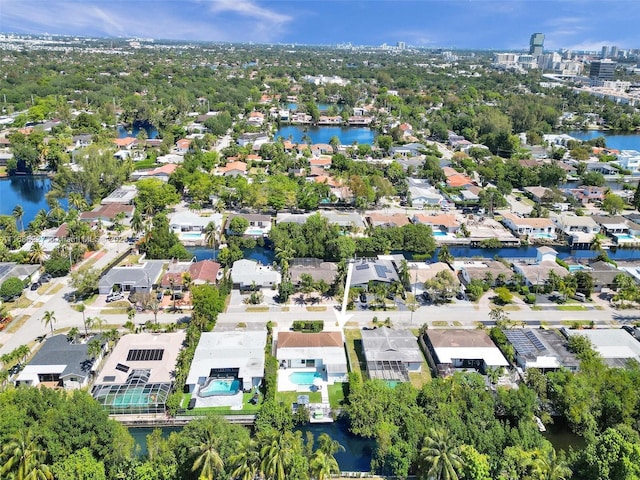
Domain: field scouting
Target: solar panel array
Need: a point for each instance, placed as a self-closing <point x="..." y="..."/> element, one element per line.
<point x="109" y="378"/>
<point x="381" y="270"/>
<point x="525" y="343"/>
<point x="145" y="354"/>
<point x="362" y="266"/>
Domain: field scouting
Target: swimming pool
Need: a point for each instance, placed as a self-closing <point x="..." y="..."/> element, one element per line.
<point x="439" y="233"/>
<point x="304" y="378"/>
<point x="254" y="231"/>
<point x="549" y="236"/>
<point x="227" y="386"/>
<point x="576" y="268"/>
<point x="625" y="237"/>
<point x="195" y="235"/>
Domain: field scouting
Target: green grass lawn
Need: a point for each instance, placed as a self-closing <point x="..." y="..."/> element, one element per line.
<point x="440" y="323"/>
<point x="248" y="408"/>
<point x="571" y="308"/>
<point x="292" y="397"/>
<point x="336" y="394"/>
<point x="353" y="339"/>
<point x="418" y="379"/>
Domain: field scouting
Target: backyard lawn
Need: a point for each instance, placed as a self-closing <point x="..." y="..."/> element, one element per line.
<point x="292" y="397"/>
<point x="353" y="338"/>
<point x="248" y="408"/>
<point x="336" y="394"/>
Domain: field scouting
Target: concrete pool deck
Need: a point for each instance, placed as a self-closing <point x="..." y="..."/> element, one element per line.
<point x="232" y="401"/>
<point x="286" y="385"/>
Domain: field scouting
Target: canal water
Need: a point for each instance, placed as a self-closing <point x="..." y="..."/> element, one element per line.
<point x="152" y="132"/>
<point x="355" y="458"/>
<point x="616" y="140"/>
<point x="347" y="135"/>
<point x="27" y="191"/>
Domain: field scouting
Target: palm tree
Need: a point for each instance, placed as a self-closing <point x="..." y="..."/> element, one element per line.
<point x="440" y="460"/>
<point x="323" y="465"/>
<point x="276" y="456"/>
<point x="49" y="319"/>
<point x="210" y="236"/>
<point x="18" y="213"/>
<point x="72" y="335"/>
<point x="22" y="458"/>
<point x="81" y="307"/>
<point x="208" y="460"/>
<point x="549" y="467"/>
<point x="136" y="222"/>
<point x="246" y="461"/>
<point x="36" y="253"/>
<point x="94" y="348"/>
<point x="444" y="255"/>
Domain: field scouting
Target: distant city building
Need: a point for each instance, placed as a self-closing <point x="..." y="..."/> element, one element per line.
<point x="602" y="69"/>
<point x="536" y="44"/>
<point x="605" y="52"/>
<point x="401" y="45"/>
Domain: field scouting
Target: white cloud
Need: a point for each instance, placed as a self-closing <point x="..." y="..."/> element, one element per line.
<point x="249" y="9"/>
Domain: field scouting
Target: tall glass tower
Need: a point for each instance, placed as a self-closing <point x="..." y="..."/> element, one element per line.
<point x="536" y="44"/>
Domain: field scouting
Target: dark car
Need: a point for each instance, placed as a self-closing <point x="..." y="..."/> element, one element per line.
<point x="35" y="286"/>
<point x="363" y="297"/>
<point x="45" y="278"/>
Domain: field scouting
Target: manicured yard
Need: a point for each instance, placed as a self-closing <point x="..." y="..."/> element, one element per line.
<point x="336" y="394"/>
<point x="248" y="408"/>
<point x="353" y="338"/>
<point x="418" y="379"/>
<point x="292" y="397"/>
<point x="571" y="308"/>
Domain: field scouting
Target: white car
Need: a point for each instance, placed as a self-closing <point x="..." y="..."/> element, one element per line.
<point x="114" y="297"/>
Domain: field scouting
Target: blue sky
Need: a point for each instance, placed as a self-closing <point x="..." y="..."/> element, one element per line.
<point x="481" y="24"/>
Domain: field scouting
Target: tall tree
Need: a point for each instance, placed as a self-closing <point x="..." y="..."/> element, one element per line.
<point x="18" y="213"/>
<point x="208" y="460"/>
<point x="23" y="459"/>
<point x="246" y="460"/>
<point x="441" y="460"/>
<point x="49" y="318"/>
<point x="210" y="237"/>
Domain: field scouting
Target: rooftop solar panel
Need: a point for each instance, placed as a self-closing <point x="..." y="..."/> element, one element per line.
<point x="381" y="270"/>
<point x="145" y="354"/>
<point x="122" y="368"/>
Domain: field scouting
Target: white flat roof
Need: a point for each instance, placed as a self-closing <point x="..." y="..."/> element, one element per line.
<point x="611" y="342"/>
<point x="242" y="350"/>
<point x="492" y="356"/>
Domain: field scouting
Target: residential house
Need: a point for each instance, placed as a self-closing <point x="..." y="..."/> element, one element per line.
<point x="132" y="279"/>
<point x="376" y="219"/>
<point x="491" y="271"/>
<point x="108" y="213"/>
<point x="125" y="195"/>
<point x="423" y="193"/>
<point x="368" y="271"/>
<point x="235" y="356"/>
<point x="347" y="221"/>
<point x="247" y="273"/>
<point x="138" y="376"/>
<point x="580" y="230"/>
<point x="26" y="273"/>
<point x="537" y="273"/>
<point x="629" y="160"/>
<point x="588" y="194"/>
<point x="445" y="223"/>
<point x="183" y="145"/>
<point x="162" y="173"/>
<point x="60" y="363"/>
<point x="391" y="354"/>
<point x="614" y="345"/>
<point x="126" y="143"/>
<point x="259" y="225"/>
<point x="315" y="267"/>
<point x="408" y="150"/>
<point x="603" y="275"/>
<point x="232" y="169"/>
<point x="545" y="350"/>
<point x="359" y="121"/>
<point x="322" y="353"/>
<point x="537" y="194"/>
<point x="534" y="228"/>
<point x="421" y="272"/>
<point x="253" y="139"/>
<point x="200" y="273"/>
<point x="255" y="119"/>
<point x="321" y="162"/>
<point x="82" y="140"/>
<point x="190" y="222"/>
<point x="406" y="129"/>
<point x="621" y="229"/>
<point x="451" y="350"/>
<point x="456" y="179"/>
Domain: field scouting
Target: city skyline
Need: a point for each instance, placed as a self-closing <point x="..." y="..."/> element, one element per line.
<point x="471" y="24"/>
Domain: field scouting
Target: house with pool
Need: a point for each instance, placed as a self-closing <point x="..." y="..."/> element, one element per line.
<point x="310" y="361"/>
<point x="225" y="365"/>
<point x="138" y="376"/>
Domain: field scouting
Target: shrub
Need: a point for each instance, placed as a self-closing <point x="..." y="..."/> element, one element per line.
<point x="11" y="288"/>
<point x="530" y="298"/>
<point x="310" y="326"/>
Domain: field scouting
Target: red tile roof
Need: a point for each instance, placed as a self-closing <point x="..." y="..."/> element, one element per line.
<point x="204" y="271"/>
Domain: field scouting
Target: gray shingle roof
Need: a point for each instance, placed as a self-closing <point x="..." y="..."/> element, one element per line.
<point x="58" y="351"/>
<point x="385" y="344"/>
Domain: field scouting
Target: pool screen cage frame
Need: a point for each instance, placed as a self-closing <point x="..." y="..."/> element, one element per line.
<point x="390" y="370"/>
<point x="142" y="397"/>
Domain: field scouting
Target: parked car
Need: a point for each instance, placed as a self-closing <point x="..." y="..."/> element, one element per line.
<point x="45" y="278"/>
<point x="35" y="286"/>
<point x="114" y="296"/>
<point x="363" y="297"/>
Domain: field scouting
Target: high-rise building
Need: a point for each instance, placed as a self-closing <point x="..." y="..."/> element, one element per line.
<point x="605" y="52"/>
<point x="614" y="52"/>
<point x="401" y="45"/>
<point x="536" y="44"/>
<point x="602" y="69"/>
